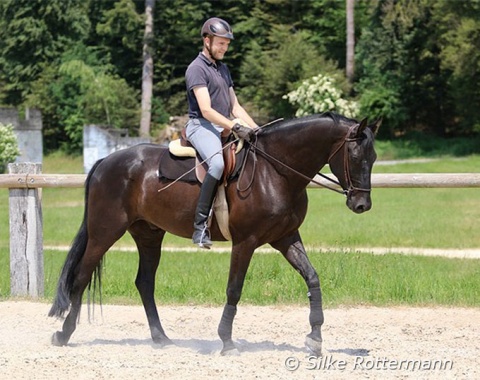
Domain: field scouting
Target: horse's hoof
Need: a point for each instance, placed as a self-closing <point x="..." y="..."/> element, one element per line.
<point x="314" y="346"/>
<point x="229" y="349"/>
<point x="57" y="339"/>
<point x="162" y="341"/>
<point x="230" y="352"/>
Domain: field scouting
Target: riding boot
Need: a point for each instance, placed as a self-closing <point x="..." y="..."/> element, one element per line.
<point x="201" y="234"/>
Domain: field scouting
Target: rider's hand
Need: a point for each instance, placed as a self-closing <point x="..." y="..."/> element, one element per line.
<point x="243" y="132"/>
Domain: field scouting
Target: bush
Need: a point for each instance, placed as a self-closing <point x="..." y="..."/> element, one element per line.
<point x="8" y="146"/>
<point x="320" y="94"/>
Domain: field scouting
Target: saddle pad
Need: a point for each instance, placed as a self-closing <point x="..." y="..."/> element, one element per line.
<point x="172" y="167"/>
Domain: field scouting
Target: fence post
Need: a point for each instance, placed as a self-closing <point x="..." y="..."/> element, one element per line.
<point x="26" y="239"/>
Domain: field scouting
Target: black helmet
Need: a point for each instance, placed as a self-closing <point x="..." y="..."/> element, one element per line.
<point x="217" y="27"/>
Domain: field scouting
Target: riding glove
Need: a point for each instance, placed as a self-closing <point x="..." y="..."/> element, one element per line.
<point x="243" y="132"/>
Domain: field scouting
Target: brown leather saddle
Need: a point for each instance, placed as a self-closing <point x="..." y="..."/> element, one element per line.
<point x="184" y="164"/>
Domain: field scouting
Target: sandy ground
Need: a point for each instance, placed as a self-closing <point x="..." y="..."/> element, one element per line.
<point x="363" y="342"/>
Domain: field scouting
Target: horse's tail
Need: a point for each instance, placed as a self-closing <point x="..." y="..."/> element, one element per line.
<point x="65" y="283"/>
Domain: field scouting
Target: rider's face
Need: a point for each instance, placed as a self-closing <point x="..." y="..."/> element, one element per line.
<point x="216" y="47"/>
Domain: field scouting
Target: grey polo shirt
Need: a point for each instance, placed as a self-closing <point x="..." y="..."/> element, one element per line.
<point x="216" y="77"/>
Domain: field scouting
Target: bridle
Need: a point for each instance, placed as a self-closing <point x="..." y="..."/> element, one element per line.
<point x="346" y="167"/>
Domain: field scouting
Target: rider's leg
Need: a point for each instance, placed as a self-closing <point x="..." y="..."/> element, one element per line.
<point x="206" y="139"/>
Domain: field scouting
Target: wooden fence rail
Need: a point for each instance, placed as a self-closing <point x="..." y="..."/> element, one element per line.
<point x="26" y="223"/>
<point x="404" y="180"/>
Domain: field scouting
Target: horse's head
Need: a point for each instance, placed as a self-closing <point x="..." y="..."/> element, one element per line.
<point x="352" y="164"/>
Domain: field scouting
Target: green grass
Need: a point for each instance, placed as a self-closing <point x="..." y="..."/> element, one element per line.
<point x="430" y="218"/>
<point x="347" y="279"/>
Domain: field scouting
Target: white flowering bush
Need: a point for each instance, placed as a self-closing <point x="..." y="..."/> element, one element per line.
<point x="8" y="146"/>
<point x="320" y="94"/>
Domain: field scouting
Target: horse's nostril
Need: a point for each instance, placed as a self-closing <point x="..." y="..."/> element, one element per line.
<point x="360" y="208"/>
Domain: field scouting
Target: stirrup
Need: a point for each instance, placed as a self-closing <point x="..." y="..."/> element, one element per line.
<point x="204" y="240"/>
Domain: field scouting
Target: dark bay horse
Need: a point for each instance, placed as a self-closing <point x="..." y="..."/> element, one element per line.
<point x="267" y="205"/>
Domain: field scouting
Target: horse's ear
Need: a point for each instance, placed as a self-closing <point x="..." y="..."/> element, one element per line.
<point x="359" y="128"/>
<point x="376" y="124"/>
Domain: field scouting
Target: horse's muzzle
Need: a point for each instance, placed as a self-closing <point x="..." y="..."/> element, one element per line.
<point x="359" y="201"/>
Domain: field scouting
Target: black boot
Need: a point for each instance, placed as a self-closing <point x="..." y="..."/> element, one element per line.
<point x="201" y="234"/>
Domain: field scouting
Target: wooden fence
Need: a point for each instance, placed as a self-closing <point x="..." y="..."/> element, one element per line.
<point x="26" y="222"/>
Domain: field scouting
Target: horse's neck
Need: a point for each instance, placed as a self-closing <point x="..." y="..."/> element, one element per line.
<point x="306" y="148"/>
<point x="299" y="151"/>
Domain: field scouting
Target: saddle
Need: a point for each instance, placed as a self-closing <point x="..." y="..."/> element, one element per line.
<point x="181" y="148"/>
<point x="182" y="163"/>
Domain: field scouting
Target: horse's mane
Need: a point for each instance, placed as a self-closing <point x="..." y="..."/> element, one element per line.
<point x="298" y="122"/>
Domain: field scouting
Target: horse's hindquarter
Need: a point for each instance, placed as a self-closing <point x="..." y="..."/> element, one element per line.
<point x="166" y="204"/>
<point x="124" y="189"/>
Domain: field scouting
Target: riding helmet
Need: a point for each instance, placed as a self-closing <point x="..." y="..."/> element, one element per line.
<point x="217" y="27"/>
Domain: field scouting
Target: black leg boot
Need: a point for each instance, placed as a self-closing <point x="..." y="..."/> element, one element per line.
<point x="201" y="234"/>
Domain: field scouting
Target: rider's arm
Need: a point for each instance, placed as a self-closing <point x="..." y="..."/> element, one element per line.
<point x="239" y="112"/>
<point x="204" y="102"/>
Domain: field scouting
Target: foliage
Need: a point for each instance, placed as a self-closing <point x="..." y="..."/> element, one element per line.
<point x="82" y="91"/>
<point x="459" y="46"/>
<point x="417" y="62"/>
<point x="269" y="74"/>
<point x="32" y="35"/>
<point x="105" y="98"/>
<point x="427" y="145"/>
<point x="320" y="94"/>
<point x="120" y="33"/>
<point x="8" y="146"/>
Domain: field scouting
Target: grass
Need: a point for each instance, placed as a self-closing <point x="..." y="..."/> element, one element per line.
<point x="427" y="218"/>
<point x="430" y="218"/>
<point x="347" y="279"/>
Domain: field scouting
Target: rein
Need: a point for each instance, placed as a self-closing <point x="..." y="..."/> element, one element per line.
<point x="294" y="171"/>
<point x="346" y="168"/>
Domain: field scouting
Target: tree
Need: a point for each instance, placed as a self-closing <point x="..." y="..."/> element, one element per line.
<point x="350" y="65"/>
<point x="400" y="76"/>
<point x="82" y="90"/>
<point x="147" y="74"/>
<point x="459" y="45"/>
<point x="33" y="34"/>
<point x="117" y="34"/>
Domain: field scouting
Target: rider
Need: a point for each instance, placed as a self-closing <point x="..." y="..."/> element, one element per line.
<point x="211" y="104"/>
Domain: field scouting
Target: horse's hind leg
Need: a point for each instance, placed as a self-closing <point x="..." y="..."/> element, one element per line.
<point x="293" y="250"/>
<point x="149" y="241"/>
<point x="83" y="275"/>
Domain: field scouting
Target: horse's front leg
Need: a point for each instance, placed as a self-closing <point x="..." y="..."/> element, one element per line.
<point x="239" y="262"/>
<point x="293" y="250"/>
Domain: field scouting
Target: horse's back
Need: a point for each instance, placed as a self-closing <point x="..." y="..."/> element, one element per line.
<point x="127" y="162"/>
<point x="119" y="174"/>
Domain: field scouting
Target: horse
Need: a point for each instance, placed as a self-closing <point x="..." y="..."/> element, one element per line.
<point x="267" y="204"/>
